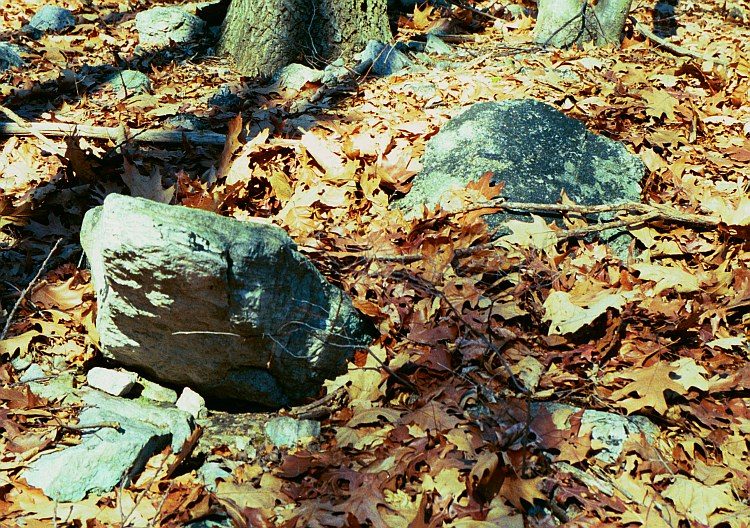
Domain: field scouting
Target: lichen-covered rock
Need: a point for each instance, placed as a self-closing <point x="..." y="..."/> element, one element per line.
<point x="110" y="455"/>
<point x="161" y="27"/>
<point x="229" y="308"/>
<point x="535" y="149"/>
<point x="129" y="82"/>
<point x="10" y="56"/>
<point x="52" y="18"/>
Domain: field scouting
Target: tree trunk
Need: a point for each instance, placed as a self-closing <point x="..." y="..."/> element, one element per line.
<point x="265" y="35"/>
<point x="562" y="23"/>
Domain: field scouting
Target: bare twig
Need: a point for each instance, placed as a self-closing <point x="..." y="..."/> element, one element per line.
<point x="642" y="213"/>
<point x="26" y="290"/>
<point x="317" y="409"/>
<point x="81" y="428"/>
<point x="27" y="128"/>
<point x="198" y="137"/>
<point x="185" y="450"/>
<point x="674" y="48"/>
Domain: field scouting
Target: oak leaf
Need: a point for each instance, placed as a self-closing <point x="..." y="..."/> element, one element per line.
<point x="649" y="383"/>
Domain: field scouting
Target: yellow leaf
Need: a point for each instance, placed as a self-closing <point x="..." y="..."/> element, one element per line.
<point x="658" y="103"/>
<point x="649" y="383"/>
<point x="566" y="315"/>
<point x="447" y="483"/>
<point x="421" y="17"/>
<point x="690" y="374"/>
<point x="322" y="151"/>
<point x="18" y="343"/>
<point x="149" y="187"/>
<point x="536" y="234"/>
<point x="697" y="501"/>
<point x="667" y="277"/>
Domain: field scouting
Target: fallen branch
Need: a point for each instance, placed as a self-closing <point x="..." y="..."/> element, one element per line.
<point x="80" y="429"/>
<point x="21" y="124"/>
<point x="642" y="213"/>
<point x="198" y="137"/>
<point x="674" y="48"/>
<point x="26" y="290"/>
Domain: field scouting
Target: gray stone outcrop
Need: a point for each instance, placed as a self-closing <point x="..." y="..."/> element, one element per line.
<point x="229" y="308"/>
<point x="532" y="147"/>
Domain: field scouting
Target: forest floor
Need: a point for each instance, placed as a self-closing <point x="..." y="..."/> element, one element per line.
<point x="429" y="428"/>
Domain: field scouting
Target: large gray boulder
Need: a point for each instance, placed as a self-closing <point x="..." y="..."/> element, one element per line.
<point x="535" y="149"/>
<point x="229" y="308"/>
<point x="159" y="27"/>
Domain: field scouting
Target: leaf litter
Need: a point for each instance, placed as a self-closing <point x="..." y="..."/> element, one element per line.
<point x="445" y="421"/>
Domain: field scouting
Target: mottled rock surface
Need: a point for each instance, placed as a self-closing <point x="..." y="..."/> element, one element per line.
<point x="532" y="147"/>
<point x="229" y="308"/>
<point x="10" y="56"/>
<point x="160" y="27"/>
<point x="108" y="456"/>
<point x="52" y="18"/>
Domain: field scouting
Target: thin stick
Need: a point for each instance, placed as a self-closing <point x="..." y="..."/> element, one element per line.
<point x="26" y="290"/>
<point x="198" y="137"/>
<point x="674" y="48"/>
<point x="24" y="125"/>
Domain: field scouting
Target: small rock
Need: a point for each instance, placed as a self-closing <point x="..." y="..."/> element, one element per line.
<point x="21" y="363"/>
<point x="10" y="56"/>
<point x="435" y="46"/>
<point x="381" y="60"/>
<point x="334" y="72"/>
<point x="155" y="392"/>
<point x="411" y="46"/>
<point x="52" y="18"/>
<point x="515" y="11"/>
<point x="58" y="388"/>
<point x="285" y="431"/>
<point x="224" y="97"/>
<point x="215" y="521"/>
<point x="109" y="456"/>
<point x="59" y="363"/>
<point x="33" y="373"/>
<point x="422" y="90"/>
<point x="608" y="431"/>
<point x="295" y="76"/>
<point x="183" y="122"/>
<point x="192" y="402"/>
<point x="159" y="27"/>
<point x="735" y="12"/>
<point x="114" y="382"/>
<point x="129" y="82"/>
<point x="210" y="472"/>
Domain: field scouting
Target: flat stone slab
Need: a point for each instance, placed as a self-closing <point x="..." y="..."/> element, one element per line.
<point x="108" y="456"/>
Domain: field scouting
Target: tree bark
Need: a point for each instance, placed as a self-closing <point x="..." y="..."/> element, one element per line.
<point x="562" y="23"/>
<point x="265" y="35"/>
